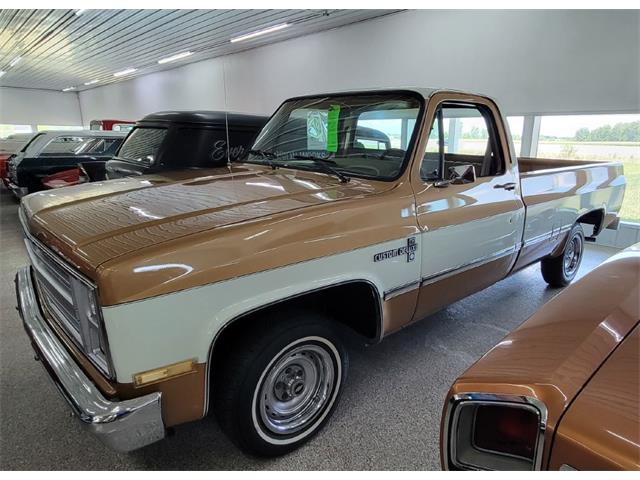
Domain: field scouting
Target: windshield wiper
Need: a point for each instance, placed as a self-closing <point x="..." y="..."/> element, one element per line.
<point x="266" y="155"/>
<point x="325" y="165"/>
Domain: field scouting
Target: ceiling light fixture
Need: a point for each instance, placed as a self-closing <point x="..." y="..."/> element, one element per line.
<point x="68" y="88"/>
<point x="247" y="36"/>
<point x="177" y="56"/>
<point x="2" y="72"/>
<point x="15" y="61"/>
<point x="80" y="11"/>
<point x="91" y="82"/>
<point x="125" y="72"/>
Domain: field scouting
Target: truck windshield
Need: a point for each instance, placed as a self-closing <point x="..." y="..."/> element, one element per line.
<point x="142" y="145"/>
<point x="357" y="135"/>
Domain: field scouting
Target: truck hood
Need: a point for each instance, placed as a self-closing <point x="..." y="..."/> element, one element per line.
<point x="91" y="225"/>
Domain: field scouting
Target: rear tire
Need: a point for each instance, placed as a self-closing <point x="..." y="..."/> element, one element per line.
<point x="561" y="270"/>
<point x="279" y="386"/>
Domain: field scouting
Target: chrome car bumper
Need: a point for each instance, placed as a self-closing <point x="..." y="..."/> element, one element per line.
<point x="19" y="192"/>
<point x="123" y="426"/>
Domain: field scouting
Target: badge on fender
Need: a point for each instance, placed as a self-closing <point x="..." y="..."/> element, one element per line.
<point x="409" y="250"/>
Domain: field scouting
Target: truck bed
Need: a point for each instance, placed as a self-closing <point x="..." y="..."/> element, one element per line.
<point x="556" y="192"/>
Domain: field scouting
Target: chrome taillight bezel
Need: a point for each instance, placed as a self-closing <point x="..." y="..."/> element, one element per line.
<point x="452" y="415"/>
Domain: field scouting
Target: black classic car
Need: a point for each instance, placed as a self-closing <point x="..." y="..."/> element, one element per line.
<point x="51" y="152"/>
<point x="180" y="140"/>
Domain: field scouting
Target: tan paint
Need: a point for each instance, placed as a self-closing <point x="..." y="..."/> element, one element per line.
<point x="183" y="396"/>
<point x="149" y="236"/>
<point x="398" y="311"/>
<point x="601" y="429"/>
<point x="531" y="253"/>
<point x="253" y="223"/>
<point x="438" y="294"/>
<point x="553" y="354"/>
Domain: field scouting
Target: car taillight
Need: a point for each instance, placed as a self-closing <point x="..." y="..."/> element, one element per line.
<point x="506" y="430"/>
<point x="492" y="432"/>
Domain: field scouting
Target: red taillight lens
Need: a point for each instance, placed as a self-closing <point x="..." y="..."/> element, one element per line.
<point x="510" y="431"/>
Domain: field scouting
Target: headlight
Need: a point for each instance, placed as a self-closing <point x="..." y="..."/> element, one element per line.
<point x="94" y="339"/>
<point x="494" y="432"/>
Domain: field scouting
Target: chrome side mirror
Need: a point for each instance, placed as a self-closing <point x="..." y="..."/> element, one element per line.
<point x="462" y="174"/>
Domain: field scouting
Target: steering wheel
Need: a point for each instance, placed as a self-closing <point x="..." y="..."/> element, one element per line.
<point x="393" y="152"/>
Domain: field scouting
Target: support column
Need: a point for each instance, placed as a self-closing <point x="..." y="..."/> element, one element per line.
<point x="530" y="136"/>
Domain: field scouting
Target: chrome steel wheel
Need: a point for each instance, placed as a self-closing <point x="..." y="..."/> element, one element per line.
<point x="298" y="387"/>
<point x="572" y="256"/>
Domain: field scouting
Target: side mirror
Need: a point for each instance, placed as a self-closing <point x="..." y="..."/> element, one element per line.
<point x="462" y="174"/>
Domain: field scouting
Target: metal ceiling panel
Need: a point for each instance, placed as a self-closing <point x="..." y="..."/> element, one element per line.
<point x="60" y="49"/>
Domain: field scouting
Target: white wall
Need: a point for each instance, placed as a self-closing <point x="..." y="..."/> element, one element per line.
<point x="27" y="106"/>
<point x="532" y="62"/>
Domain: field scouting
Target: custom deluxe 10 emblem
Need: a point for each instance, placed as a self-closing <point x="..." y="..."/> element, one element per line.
<point x="409" y="250"/>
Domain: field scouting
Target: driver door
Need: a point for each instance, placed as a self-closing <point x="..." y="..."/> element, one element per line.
<point x="471" y="228"/>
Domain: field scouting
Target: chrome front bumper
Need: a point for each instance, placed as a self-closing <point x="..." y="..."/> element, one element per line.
<point x="123" y="426"/>
<point x="19" y="192"/>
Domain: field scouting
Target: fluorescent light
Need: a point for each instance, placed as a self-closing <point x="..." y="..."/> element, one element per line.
<point x="2" y="72"/>
<point x="68" y="88"/>
<point x="125" y="72"/>
<point x="15" y="61"/>
<point x="91" y="82"/>
<point x="177" y="56"/>
<point x="80" y="11"/>
<point x="247" y="36"/>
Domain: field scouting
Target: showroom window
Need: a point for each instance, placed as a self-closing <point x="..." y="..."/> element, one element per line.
<point x="597" y="137"/>
<point x="516" y="126"/>
<point x="6" y="130"/>
<point x="45" y="128"/>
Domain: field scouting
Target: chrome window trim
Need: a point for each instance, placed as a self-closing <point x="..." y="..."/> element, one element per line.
<point x="477" y="398"/>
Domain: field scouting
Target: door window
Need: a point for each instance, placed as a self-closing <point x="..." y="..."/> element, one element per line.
<point x="462" y="134"/>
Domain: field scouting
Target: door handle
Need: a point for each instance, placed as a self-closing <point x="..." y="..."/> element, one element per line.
<point x="506" y="186"/>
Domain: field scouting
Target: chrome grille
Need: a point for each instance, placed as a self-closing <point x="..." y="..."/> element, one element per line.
<point x="55" y="285"/>
<point x="70" y="300"/>
<point x="12" y="170"/>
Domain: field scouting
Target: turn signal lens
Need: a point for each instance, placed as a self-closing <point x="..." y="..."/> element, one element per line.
<point x="163" y="373"/>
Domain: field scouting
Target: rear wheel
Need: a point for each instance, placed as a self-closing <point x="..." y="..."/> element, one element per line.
<point x="281" y="385"/>
<point x="561" y="270"/>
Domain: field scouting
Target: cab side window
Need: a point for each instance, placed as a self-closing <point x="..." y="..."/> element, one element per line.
<point x="462" y="134"/>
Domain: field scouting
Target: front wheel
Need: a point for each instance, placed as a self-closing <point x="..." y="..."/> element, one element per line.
<point x="280" y="388"/>
<point x="561" y="270"/>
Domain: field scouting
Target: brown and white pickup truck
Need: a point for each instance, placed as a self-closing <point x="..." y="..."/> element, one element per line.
<point x="562" y="391"/>
<point x="154" y="304"/>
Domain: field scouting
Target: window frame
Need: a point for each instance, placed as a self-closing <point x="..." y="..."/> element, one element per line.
<point x="412" y="144"/>
<point x="494" y="137"/>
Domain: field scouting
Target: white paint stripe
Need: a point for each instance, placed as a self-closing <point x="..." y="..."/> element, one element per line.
<point x="162" y="330"/>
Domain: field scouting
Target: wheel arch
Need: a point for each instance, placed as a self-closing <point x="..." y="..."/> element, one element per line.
<point x="357" y="290"/>
<point x="593" y="217"/>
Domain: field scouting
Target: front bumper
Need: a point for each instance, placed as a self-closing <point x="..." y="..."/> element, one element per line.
<point x="19" y="192"/>
<point x="123" y="426"/>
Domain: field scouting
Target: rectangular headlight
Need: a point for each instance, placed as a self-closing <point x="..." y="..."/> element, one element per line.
<point x="494" y="432"/>
<point x="94" y="339"/>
